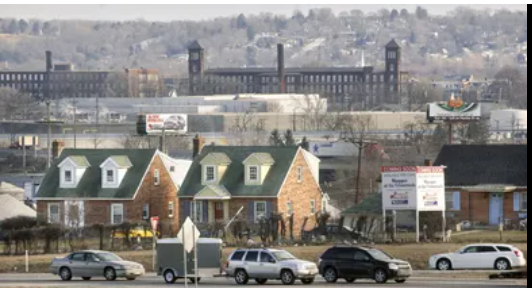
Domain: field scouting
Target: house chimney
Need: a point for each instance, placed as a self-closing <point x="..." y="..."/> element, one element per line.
<point x="198" y="142"/>
<point x="429" y="163"/>
<point x="280" y="68"/>
<point x="49" y="61"/>
<point x="57" y="148"/>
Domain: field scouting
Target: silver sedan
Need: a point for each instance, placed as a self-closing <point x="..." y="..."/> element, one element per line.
<point x="89" y="264"/>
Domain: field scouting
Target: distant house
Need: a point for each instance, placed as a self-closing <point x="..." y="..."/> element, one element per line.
<point x="11" y="207"/>
<point x="12" y="190"/>
<point x="486" y="183"/>
<point x="259" y="180"/>
<point x="85" y="187"/>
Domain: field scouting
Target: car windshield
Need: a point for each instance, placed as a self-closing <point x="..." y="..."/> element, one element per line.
<point x="108" y="257"/>
<point x="379" y="255"/>
<point x="283" y="256"/>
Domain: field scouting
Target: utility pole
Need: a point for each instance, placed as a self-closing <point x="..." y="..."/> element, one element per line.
<point x="49" y="138"/>
<point x="74" y="128"/>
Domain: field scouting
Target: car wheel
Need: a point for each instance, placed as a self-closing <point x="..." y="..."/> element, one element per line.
<point x="381" y="276"/>
<point x="503" y="265"/>
<point x="65" y="274"/>
<point x="86" y="278"/>
<point x="330" y="275"/>
<point x="241" y="277"/>
<point x="400" y="281"/>
<point x="110" y="274"/>
<point x="169" y="277"/>
<point x="444" y="265"/>
<point x="287" y="277"/>
<point x="350" y="280"/>
<point x="131" y="278"/>
<point x="308" y="281"/>
<point x="261" y="281"/>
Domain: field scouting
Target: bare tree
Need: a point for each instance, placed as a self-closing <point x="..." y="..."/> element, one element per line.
<point x="247" y="129"/>
<point x="15" y="105"/>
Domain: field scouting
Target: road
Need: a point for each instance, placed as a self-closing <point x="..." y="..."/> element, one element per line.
<point x="47" y="281"/>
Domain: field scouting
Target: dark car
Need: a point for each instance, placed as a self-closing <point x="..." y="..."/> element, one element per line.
<point x="352" y="263"/>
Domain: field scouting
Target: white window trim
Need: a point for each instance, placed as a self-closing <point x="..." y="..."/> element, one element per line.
<point x="171" y="209"/>
<point x="451" y="208"/>
<point x="289" y="208"/>
<point x="193" y="212"/>
<point x="521" y="201"/>
<point x="146" y="212"/>
<point x="249" y="174"/>
<point x="313" y="207"/>
<point x="50" y="205"/>
<point x="324" y="204"/>
<point x="207" y="167"/>
<point x="113" y="207"/>
<point x="157" y="177"/>
<point x="107" y="177"/>
<point x="256" y="212"/>
<point x="300" y="174"/>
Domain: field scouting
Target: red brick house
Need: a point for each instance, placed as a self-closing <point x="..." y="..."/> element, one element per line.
<point x="84" y="187"/>
<point x="259" y="180"/>
<point x="486" y="183"/>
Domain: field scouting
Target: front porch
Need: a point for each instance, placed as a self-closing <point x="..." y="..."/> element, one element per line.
<point x="215" y="199"/>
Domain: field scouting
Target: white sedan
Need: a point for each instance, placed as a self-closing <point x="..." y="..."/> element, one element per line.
<point x="482" y="256"/>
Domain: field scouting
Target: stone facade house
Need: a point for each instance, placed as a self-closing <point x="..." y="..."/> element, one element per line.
<point x="486" y="184"/>
<point x="257" y="181"/>
<point x="85" y="187"/>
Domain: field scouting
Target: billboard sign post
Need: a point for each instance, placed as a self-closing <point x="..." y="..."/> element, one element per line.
<point x="413" y="188"/>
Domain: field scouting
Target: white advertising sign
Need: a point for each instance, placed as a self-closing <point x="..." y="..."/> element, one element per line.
<point x="333" y="149"/>
<point x="399" y="188"/>
<point x="413" y="188"/>
<point x="454" y="110"/>
<point x="170" y="123"/>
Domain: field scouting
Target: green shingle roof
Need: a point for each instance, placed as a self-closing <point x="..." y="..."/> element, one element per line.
<point x="90" y="185"/>
<point x="264" y="158"/>
<point x="81" y="161"/>
<point x="372" y="205"/>
<point x="217" y="158"/>
<point x="122" y="161"/>
<point x="233" y="179"/>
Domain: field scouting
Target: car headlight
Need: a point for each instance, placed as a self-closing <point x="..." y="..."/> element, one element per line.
<point x="393" y="266"/>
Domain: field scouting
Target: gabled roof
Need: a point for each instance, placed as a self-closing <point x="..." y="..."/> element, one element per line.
<point x="11" y="207"/>
<point x="79" y="161"/>
<point x="195" y="46"/>
<point x="90" y="185"/>
<point x="213" y="192"/>
<point x="216" y="159"/>
<point x="393" y="44"/>
<point x="120" y="161"/>
<point x="263" y="158"/>
<point x="480" y="165"/>
<point x="233" y="179"/>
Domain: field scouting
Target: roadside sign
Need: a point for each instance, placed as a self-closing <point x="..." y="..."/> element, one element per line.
<point x="189" y="235"/>
<point x="154" y="224"/>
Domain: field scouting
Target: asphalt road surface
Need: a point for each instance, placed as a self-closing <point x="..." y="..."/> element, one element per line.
<point x="47" y="281"/>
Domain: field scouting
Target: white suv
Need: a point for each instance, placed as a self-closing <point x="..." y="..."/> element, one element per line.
<point x="482" y="256"/>
<point x="264" y="265"/>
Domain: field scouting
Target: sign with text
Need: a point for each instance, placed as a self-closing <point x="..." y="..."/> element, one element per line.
<point x="454" y="110"/>
<point x="413" y="188"/>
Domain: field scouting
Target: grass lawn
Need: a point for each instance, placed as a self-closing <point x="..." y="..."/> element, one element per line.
<point x="417" y="254"/>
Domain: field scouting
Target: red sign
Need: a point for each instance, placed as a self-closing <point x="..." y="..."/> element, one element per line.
<point x="154" y="224"/>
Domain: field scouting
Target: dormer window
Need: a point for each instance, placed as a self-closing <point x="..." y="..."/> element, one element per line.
<point x="68" y="177"/>
<point x="72" y="170"/>
<point x="210" y="174"/>
<point x="114" y="169"/>
<point x="253" y="174"/>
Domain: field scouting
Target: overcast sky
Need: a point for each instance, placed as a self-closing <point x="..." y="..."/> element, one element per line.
<point x="193" y="12"/>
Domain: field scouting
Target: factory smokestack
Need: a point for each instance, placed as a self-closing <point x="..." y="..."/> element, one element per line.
<point x="49" y="62"/>
<point x="280" y="68"/>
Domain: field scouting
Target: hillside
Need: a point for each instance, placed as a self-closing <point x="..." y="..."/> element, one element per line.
<point x="463" y="42"/>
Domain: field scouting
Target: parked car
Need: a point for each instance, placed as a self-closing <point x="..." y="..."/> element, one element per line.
<point x="352" y="263"/>
<point x="482" y="256"/>
<point x="89" y="264"/>
<point x="137" y="232"/>
<point x="264" y="265"/>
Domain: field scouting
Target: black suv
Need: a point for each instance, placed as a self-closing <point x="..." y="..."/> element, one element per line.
<point x="352" y="263"/>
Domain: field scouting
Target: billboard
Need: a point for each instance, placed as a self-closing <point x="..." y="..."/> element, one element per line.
<point x="156" y="123"/>
<point x="454" y="110"/>
<point x="413" y="188"/>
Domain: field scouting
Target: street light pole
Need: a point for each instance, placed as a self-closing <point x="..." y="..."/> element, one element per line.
<point x="49" y="140"/>
<point x="74" y="128"/>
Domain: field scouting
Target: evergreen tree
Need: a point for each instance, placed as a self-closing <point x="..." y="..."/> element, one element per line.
<point x="23" y="26"/>
<point x="394" y="14"/>
<point x="36" y="30"/>
<point x="289" y="138"/>
<point x="241" y="22"/>
<point x="305" y="144"/>
<point x="275" y="139"/>
<point x="13" y="27"/>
